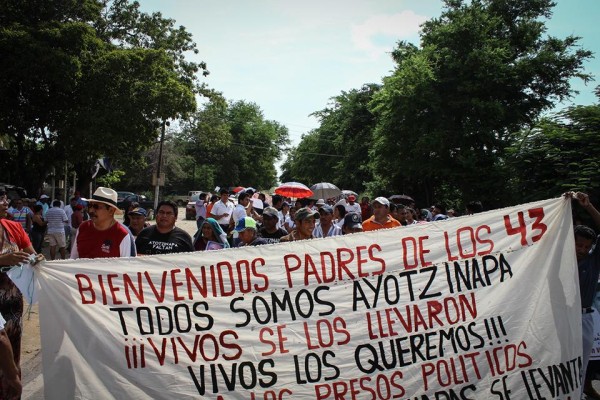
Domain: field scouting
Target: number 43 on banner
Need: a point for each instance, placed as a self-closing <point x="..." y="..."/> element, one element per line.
<point x="537" y="229"/>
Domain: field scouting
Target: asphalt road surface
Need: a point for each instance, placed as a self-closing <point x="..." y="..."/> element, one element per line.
<point x="31" y="353"/>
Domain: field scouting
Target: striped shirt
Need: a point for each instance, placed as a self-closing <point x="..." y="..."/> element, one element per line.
<point x="20" y="216"/>
<point x="57" y="219"/>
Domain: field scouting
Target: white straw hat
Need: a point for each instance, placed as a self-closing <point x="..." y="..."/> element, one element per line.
<point x="107" y="196"/>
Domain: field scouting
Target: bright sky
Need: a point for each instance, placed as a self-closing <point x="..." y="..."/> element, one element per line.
<point x="291" y="57"/>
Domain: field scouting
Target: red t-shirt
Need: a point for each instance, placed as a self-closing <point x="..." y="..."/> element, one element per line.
<point x="94" y="243"/>
<point x="16" y="233"/>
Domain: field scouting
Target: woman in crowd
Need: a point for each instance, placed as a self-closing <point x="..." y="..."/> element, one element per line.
<point x="15" y="248"/>
<point x="411" y="216"/>
<point x="339" y="212"/>
<point x="290" y="222"/>
<point x="210" y="231"/>
<point x="284" y="213"/>
<point x="38" y="228"/>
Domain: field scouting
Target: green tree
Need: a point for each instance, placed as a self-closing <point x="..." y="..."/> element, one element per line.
<point x="306" y="163"/>
<point x="484" y="71"/>
<point x="233" y="144"/>
<point x="205" y="138"/>
<point x="559" y="154"/>
<point x="256" y="145"/>
<point x="83" y="79"/>
<point x="338" y="150"/>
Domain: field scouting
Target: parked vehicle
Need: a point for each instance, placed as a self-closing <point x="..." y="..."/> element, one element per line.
<point x="180" y="199"/>
<point x="121" y="195"/>
<point x="144" y="202"/>
<point x="190" y="208"/>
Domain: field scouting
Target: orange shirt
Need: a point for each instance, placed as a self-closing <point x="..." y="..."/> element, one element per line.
<point x="209" y="209"/>
<point x="371" y="225"/>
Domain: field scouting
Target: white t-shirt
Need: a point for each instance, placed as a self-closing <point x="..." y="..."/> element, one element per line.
<point x="290" y="222"/>
<point x="69" y="211"/>
<point x="239" y="212"/>
<point x="200" y="209"/>
<point x="355" y="208"/>
<point x="2" y="321"/>
<point x="221" y="208"/>
<point x="282" y="219"/>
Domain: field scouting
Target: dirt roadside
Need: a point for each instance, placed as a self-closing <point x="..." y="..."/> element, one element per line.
<point x="30" y="345"/>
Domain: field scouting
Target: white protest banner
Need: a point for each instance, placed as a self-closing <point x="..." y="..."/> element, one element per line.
<point x="478" y="307"/>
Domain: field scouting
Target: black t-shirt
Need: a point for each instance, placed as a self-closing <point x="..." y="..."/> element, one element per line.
<point x="272" y="237"/>
<point x="151" y="241"/>
<point x="256" y="242"/>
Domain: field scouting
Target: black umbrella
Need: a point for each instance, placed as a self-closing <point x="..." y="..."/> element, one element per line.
<point x="401" y="198"/>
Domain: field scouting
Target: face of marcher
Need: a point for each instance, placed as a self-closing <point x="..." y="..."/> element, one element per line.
<point x="208" y="233"/>
<point x="270" y="223"/>
<point x="165" y="220"/>
<point x="101" y="213"/>
<point x="247" y="236"/>
<point x="245" y="202"/>
<point x="3" y="205"/>
<point x="582" y="247"/>
<point x="326" y="218"/>
<point x="306" y="226"/>
<point x="136" y="222"/>
<point x="380" y="211"/>
<point x="402" y="215"/>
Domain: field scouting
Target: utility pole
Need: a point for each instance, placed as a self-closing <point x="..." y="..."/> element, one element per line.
<point x="160" y="150"/>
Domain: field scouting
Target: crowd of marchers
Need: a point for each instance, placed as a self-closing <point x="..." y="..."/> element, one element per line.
<point x="88" y="228"/>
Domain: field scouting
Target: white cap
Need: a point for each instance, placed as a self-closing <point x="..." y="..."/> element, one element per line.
<point x="383" y="201"/>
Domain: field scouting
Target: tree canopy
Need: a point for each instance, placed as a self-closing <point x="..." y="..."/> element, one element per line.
<point x="233" y="144"/>
<point x="84" y="79"/>
<point x="443" y="121"/>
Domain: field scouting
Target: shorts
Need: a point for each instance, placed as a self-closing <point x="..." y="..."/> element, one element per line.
<point x="57" y="239"/>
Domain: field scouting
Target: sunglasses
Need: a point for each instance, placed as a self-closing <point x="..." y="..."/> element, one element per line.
<point x="95" y="206"/>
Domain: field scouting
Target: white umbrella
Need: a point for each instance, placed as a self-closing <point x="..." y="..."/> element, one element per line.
<point x="324" y="190"/>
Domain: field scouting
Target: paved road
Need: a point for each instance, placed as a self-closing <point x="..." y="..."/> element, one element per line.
<point x="31" y="355"/>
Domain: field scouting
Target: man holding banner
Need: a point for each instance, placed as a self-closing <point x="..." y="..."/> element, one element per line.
<point x="588" y="264"/>
<point x="102" y="236"/>
<point x="305" y="225"/>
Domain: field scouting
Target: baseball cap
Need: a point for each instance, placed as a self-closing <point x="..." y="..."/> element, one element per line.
<point x="326" y="209"/>
<point x="305" y="213"/>
<point x="138" y="211"/>
<point x="383" y="201"/>
<point x="44" y="197"/>
<point x="270" y="212"/>
<point x="353" y="220"/>
<point x="245" y="223"/>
